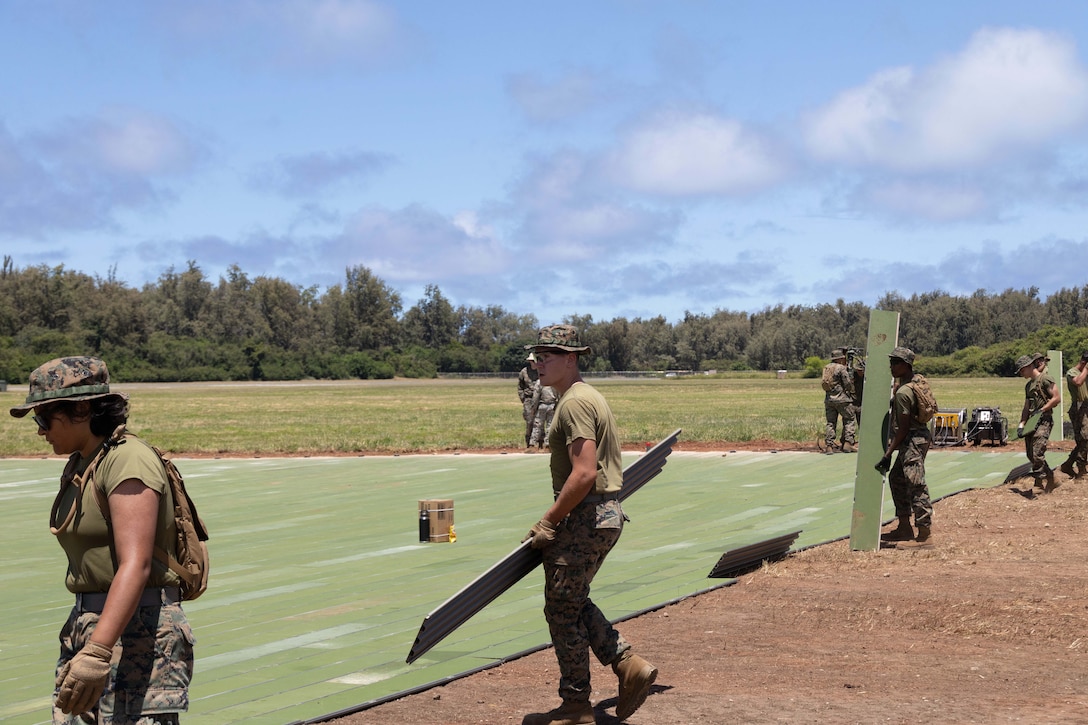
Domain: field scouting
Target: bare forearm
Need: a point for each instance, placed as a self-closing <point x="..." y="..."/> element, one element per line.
<point x="124" y="596"/>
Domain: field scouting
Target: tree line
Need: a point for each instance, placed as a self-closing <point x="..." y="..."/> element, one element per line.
<point x="187" y="327"/>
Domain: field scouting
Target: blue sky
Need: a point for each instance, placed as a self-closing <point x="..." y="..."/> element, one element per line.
<point x="606" y="158"/>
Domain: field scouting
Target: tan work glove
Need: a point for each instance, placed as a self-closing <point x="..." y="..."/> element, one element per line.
<point x="541" y="535"/>
<point x="83" y="678"/>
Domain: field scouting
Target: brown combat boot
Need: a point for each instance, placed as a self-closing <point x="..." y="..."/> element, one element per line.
<point x="636" y="675"/>
<point x="569" y="713"/>
<point x="1051" y="483"/>
<point x="924" y="540"/>
<point x="849" y="448"/>
<point x="903" y="532"/>
<point x="1067" y="468"/>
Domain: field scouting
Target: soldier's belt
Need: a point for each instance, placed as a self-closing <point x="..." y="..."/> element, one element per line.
<point x="598" y="497"/>
<point x="96" y="601"/>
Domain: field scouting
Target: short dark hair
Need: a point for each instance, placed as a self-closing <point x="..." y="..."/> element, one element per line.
<point x="105" y="414"/>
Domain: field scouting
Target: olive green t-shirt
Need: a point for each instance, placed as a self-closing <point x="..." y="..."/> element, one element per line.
<point x="905" y="401"/>
<point x="1077" y="393"/>
<point x="87" y="540"/>
<point x="582" y="412"/>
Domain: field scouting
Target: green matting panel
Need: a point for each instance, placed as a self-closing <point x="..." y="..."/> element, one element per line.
<point x="869" y="486"/>
<point x="319" y="583"/>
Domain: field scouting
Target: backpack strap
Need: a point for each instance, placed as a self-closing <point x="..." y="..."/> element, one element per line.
<point x="70" y="477"/>
<point x="160" y="554"/>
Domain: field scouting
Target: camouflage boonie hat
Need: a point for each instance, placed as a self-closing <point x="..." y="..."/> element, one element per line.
<point x="837" y="353"/>
<point x="1023" y="361"/>
<point x="902" y="353"/>
<point x="559" y="337"/>
<point x="67" y="379"/>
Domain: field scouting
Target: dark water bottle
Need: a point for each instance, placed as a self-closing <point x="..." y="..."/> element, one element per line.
<point x="424" y="526"/>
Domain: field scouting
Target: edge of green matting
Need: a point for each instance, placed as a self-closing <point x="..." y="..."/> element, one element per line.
<point x="319" y="583"/>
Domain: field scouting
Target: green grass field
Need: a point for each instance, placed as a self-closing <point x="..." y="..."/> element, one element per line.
<point x="463" y="415"/>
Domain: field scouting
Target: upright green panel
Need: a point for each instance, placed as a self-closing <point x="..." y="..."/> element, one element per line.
<point x="1057" y="371"/>
<point x="868" y="484"/>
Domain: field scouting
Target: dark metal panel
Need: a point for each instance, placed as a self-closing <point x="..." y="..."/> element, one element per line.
<point x="459" y="608"/>
<point x="737" y="561"/>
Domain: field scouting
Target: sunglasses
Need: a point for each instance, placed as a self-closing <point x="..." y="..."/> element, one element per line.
<point x="43" y="421"/>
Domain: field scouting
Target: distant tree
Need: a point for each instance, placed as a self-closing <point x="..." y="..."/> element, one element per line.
<point x="432" y="322"/>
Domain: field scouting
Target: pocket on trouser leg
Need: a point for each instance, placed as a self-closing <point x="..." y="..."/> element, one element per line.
<point x="157" y="663"/>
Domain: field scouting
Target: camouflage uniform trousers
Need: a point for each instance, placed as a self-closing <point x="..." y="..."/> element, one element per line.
<point x="528" y="415"/>
<point x="1078" y="417"/>
<point x="582" y="542"/>
<point x="907" y="479"/>
<point x="833" y="411"/>
<point x="1035" y="444"/>
<point x="541" y="423"/>
<point x="152" y="667"/>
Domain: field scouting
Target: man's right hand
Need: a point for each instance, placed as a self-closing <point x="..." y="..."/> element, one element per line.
<point x="541" y="535"/>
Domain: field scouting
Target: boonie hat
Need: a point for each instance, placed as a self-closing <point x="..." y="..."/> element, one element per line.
<point x="67" y="379"/>
<point x="902" y="353"/>
<point x="559" y="337"/>
<point x="837" y="353"/>
<point x="1023" y="361"/>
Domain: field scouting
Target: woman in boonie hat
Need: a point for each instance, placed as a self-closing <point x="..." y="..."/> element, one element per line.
<point x="122" y="593"/>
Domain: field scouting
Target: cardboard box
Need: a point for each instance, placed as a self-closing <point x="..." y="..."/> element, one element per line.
<point x="439" y="518"/>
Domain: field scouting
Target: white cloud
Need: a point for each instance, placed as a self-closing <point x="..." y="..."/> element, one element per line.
<point x="927" y="200"/>
<point x="299" y="34"/>
<point x="696" y="154"/>
<point x="544" y="101"/>
<point x="562" y="213"/>
<point x="418" y="245"/>
<point x="314" y="173"/>
<point x="1008" y="91"/>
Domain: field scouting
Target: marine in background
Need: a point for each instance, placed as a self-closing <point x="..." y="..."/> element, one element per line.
<point x="1076" y="378"/>
<point x="838" y="384"/>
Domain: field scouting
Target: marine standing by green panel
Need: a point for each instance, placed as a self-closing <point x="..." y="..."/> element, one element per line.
<point x="1041" y="396"/>
<point x="577" y="532"/>
<point x="912" y="438"/>
<point x="1077" y="380"/>
<point x="838" y="385"/>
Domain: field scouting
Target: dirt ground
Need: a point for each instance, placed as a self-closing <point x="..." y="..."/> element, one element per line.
<point x="988" y="626"/>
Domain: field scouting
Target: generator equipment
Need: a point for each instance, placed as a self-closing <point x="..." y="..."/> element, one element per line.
<point x="988" y="424"/>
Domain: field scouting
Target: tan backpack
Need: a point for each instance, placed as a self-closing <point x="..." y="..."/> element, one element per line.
<point x="927" y="404"/>
<point x="828" y="380"/>
<point x="189" y="560"/>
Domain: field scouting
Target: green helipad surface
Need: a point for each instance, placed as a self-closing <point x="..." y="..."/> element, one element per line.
<point x="319" y="583"/>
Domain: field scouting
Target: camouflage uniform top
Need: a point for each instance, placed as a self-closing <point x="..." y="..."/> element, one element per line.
<point x="525" y="384"/>
<point x="842" y="389"/>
